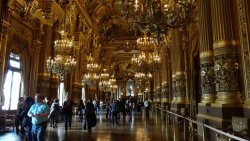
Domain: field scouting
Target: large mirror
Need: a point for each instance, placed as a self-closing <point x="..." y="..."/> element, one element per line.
<point x="130" y="87"/>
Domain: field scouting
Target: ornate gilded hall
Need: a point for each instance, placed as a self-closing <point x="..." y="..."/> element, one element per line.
<point x="189" y="58"/>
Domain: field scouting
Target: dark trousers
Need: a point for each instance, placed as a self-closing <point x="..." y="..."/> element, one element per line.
<point x="67" y="121"/>
<point x="108" y="113"/>
<point x="38" y="131"/>
<point x="53" y="122"/>
<point x="17" y="123"/>
<point x="147" y="111"/>
<point x="114" y="117"/>
<point x="28" y="132"/>
<point x="80" y="117"/>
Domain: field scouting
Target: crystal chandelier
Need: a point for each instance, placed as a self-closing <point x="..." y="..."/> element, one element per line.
<point x="92" y="77"/>
<point x="146" y="61"/>
<point x="104" y="84"/>
<point x="146" y="43"/>
<point x="104" y="75"/>
<point x="141" y="76"/>
<point x="157" y="15"/>
<point x="63" y="63"/>
<point x="92" y="66"/>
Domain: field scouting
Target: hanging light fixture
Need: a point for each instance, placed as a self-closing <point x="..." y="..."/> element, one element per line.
<point x="157" y="15"/>
<point x="64" y="62"/>
<point x="92" y="77"/>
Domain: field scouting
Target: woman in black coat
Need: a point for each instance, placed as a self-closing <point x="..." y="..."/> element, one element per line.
<point x="26" y="120"/>
<point x="90" y="115"/>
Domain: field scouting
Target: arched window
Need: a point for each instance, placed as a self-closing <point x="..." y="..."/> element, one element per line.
<point x="12" y="84"/>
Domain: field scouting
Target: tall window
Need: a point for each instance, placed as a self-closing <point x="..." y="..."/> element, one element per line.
<point x="12" y="85"/>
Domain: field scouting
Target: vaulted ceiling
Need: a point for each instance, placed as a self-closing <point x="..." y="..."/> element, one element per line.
<point x="117" y="39"/>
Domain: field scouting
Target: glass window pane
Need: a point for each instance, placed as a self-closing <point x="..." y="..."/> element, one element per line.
<point x="15" y="93"/>
<point x="6" y="90"/>
<point x="15" y="64"/>
<point x="15" y="56"/>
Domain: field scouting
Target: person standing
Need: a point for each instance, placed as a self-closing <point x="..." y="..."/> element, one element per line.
<point x="39" y="113"/>
<point x="80" y="109"/>
<point x="90" y="115"/>
<point x="20" y="105"/>
<point x="113" y="107"/>
<point x="54" y="113"/>
<point x="67" y="112"/>
<point x="26" y="120"/>
<point x="146" y="106"/>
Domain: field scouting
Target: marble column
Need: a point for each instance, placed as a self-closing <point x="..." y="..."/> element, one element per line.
<point x="225" y="55"/>
<point x="206" y="53"/>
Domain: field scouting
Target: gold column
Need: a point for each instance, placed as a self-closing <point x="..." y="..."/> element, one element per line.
<point x="173" y="89"/>
<point x="76" y="92"/>
<point x="178" y="66"/>
<point x="76" y="78"/>
<point x="224" y="45"/>
<point x="155" y="94"/>
<point x="3" y="47"/>
<point x="34" y="65"/>
<point x="164" y="72"/>
<point x="47" y="82"/>
<point x="206" y="53"/>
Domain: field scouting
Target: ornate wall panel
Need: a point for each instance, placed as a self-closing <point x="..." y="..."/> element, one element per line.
<point x="243" y="19"/>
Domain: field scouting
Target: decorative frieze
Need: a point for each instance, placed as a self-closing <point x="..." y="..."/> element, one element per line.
<point x="180" y="86"/>
<point x="244" y="43"/>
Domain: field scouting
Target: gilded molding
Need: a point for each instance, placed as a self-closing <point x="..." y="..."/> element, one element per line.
<point x="50" y="6"/>
<point x="228" y="98"/>
<point x="224" y="43"/>
<point x="206" y="54"/>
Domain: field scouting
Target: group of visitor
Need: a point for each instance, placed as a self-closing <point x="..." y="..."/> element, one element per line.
<point x="33" y="114"/>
